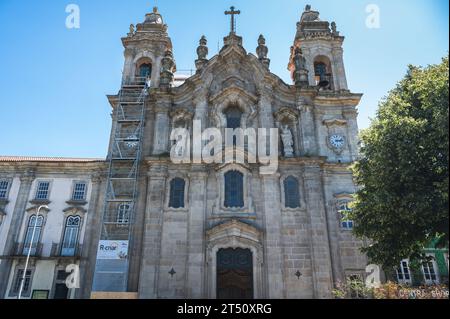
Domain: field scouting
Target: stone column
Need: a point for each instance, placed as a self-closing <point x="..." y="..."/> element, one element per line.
<point x="94" y="217"/>
<point x="307" y="129"/>
<point x="161" y="129"/>
<point x="339" y="69"/>
<point x="320" y="132"/>
<point x="137" y="235"/>
<point x="307" y="53"/>
<point x="151" y="251"/>
<point x="12" y="237"/>
<point x="156" y="70"/>
<point x="352" y="133"/>
<point x="320" y="250"/>
<point x="273" y="240"/>
<point x="196" y="234"/>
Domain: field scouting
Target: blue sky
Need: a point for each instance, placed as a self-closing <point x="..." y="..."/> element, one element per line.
<point x="53" y="80"/>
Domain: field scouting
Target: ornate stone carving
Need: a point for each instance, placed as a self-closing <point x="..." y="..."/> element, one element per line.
<point x="309" y="15"/>
<point x="131" y="33"/>
<point x="202" y="52"/>
<point x="262" y="51"/>
<point x="334" y="31"/>
<point x="167" y="68"/>
<point x="301" y="73"/>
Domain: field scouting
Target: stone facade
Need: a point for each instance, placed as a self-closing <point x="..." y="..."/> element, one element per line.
<point x="297" y="252"/>
<point x="284" y="241"/>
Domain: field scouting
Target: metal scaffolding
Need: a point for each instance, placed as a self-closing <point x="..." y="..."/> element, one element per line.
<point x="124" y="157"/>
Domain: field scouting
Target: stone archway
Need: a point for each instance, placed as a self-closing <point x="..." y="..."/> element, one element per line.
<point x="234" y="274"/>
<point x="240" y="240"/>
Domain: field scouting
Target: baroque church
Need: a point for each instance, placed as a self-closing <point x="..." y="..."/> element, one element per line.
<point x="143" y="226"/>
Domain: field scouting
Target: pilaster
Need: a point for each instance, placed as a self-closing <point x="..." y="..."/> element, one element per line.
<point x="320" y="248"/>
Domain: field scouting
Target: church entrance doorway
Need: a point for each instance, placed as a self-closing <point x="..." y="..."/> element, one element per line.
<point x="234" y="274"/>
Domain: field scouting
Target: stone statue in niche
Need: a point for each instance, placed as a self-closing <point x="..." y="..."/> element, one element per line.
<point x="288" y="141"/>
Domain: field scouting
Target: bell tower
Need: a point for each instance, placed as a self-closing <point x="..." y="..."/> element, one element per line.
<point x="319" y="45"/>
<point x="146" y="45"/>
<point x="149" y="67"/>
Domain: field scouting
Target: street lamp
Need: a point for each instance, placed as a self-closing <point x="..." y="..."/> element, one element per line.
<point x="22" y="282"/>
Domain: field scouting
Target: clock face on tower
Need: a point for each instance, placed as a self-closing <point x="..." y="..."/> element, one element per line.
<point x="337" y="141"/>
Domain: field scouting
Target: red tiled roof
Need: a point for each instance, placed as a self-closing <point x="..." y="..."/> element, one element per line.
<point x="48" y="159"/>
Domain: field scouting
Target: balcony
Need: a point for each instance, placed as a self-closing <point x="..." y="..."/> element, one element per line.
<point x="66" y="251"/>
<point x="22" y="249"/>
<point x="45" y="251"/>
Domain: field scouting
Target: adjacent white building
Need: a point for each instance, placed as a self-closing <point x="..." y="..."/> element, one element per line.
<point x="66" y="187"/>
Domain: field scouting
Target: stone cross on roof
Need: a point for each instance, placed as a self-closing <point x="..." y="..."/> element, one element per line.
<point x="232" y="12"/>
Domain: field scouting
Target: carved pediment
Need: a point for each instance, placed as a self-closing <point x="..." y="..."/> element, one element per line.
<point x="344" y="196"/>
<point x="75" y="210"/>
<point x="335" y="122"/>
<point x="233" y="93"/>
<point x="233" y="81"/>
<point x="286" y="113"/>
<point x="234" y="228"/>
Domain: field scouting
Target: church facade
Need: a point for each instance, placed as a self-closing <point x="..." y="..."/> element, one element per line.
<point x="208" y="229"/>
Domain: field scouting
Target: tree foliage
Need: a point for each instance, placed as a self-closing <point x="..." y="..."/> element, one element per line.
<point x="402" y="203"/>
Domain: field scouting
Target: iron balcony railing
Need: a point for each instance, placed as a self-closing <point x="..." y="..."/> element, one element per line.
<point x="65" y="250"/>
<point x="22" y="249"/>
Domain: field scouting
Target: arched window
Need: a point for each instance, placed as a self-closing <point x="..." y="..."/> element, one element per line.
<point x="234" y="189"/>
<point x="123" y="214"/>
<point x="320" y="69"/>
<point x="234" y="116"/>
<point x="145" y="70"/>
<point x="291" y="193"/>
<point x="33" y="246"/>
<point x="70" y="239"/>
<point x="177" y="186"/>
<point x="322" y="72"/>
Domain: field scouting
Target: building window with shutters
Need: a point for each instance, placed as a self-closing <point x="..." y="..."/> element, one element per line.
<point x="43" y="191"/>
<point x="34" y="225"/>
<point x="234" y="189"/>
<point x="403" y="273"/>
<point x="344" y="211"/>
<point x="176" y="193"/>
<point x="4" y="187"/>
<point x="429" y="268"/>
<point x="18" y="278"/>
<point x="70" y="239"/>
<point x="291" y="192"/>
<point x="79" y="191"/>
<point x="123" y="214"/>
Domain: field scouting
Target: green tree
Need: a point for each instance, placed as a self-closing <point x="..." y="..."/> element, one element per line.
<point x="402" y="203"/>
